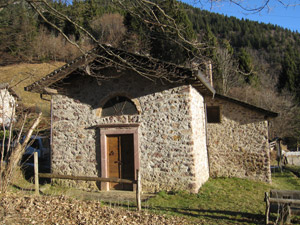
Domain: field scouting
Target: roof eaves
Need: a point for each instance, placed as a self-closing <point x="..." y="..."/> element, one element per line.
<point x="68" y="68"/>
<point x="59" y="73"/>
<point x="204" y="81"/>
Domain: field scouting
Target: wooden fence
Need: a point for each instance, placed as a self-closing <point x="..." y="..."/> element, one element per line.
<point x="38" y="175"/>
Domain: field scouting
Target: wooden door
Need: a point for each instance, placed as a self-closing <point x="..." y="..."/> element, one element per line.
<point x="120" y="159"/>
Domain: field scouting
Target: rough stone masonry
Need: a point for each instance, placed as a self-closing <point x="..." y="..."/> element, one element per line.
<point x="171" y="131"/>
<point x="238" y="146"/>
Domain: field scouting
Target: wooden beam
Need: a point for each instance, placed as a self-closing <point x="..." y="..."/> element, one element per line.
<point x="118" y="125"/>
<point x="267" y="213"/>
<point x="284" y="192"/>
<point x="283" y="200"/>
<point x="36" y="173"/>
<point x="84" y="178"/>
<point x="50" y="91"/>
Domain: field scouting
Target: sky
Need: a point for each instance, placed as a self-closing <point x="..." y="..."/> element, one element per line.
<point x="286" y="17"/>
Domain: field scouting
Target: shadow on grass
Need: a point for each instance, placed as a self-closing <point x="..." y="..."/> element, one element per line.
<point x="22" y="189"/>
<point x="293" y="170"/>
<point x="223" y="215"/>
<point x="213" y="216"/>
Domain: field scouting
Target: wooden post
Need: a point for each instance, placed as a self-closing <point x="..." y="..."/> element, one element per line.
<point x="267" y="207"/>
<point x="36" y="173"/>
<point x="288" y="216"/>
<point x="138" y="191"/>
<point x="280" y="156"/>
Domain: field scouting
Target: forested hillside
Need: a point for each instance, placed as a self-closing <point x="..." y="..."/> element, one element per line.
<point x="276" y="48"/>
<point x="257" y="63"/>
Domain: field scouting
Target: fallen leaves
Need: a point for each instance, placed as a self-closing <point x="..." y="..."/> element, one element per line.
<point x="16" y="209"/>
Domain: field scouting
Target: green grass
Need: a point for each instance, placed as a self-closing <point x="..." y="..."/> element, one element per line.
<point x="224" y="200"/>
<point x="285" y="181"/>
<point x="293" y="168"/>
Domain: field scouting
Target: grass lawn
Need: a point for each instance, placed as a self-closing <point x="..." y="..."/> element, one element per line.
<point x="224" y="200"/>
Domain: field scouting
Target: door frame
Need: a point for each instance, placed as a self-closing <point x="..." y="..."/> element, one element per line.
<point x="117" y="129"/>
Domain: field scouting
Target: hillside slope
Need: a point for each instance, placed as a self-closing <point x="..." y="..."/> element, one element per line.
<point x="21" y="75"/>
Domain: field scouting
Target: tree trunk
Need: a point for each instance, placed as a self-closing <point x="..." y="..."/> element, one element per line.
<point x="15" y="157"/>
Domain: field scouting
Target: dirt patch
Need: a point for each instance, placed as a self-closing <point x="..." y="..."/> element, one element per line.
<point x="107" y="196"/>
<point x="16" y="209"/>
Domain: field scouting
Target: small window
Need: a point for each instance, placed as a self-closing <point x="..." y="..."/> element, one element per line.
<point x="213" y="114"/>
<point x="118" y="106"/>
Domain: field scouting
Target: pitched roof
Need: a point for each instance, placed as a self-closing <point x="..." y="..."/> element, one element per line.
<point x="110" y="56"/>
<point x="247" y="105"/>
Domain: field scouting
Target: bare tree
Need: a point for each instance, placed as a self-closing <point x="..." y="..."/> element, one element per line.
<point x="148" y="16"/>
<point x="109" y="28"/>
<point x="287" y="124"/>
<point x="228" y="67"/>
<point x="54" y="47"/>
<point x="151" y="15"/>
<point x="12" y="149"/>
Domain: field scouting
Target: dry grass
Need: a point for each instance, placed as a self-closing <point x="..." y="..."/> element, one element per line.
<point x="28" y="73"/>
<point x="19" y="183"/>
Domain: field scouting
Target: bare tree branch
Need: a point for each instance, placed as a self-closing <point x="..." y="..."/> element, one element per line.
<point x="248" y="6"/>
<point x="35" y="7"/>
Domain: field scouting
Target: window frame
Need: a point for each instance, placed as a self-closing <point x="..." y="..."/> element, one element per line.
<point x="117" y="113"/>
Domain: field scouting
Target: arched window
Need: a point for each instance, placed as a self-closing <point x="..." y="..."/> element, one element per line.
<point x="118" y="106"/>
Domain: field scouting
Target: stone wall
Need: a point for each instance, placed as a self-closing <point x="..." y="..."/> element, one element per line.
<point x="238" y="146"/>
<point x="168" y="153"/>
<point x="199" y="137"/>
